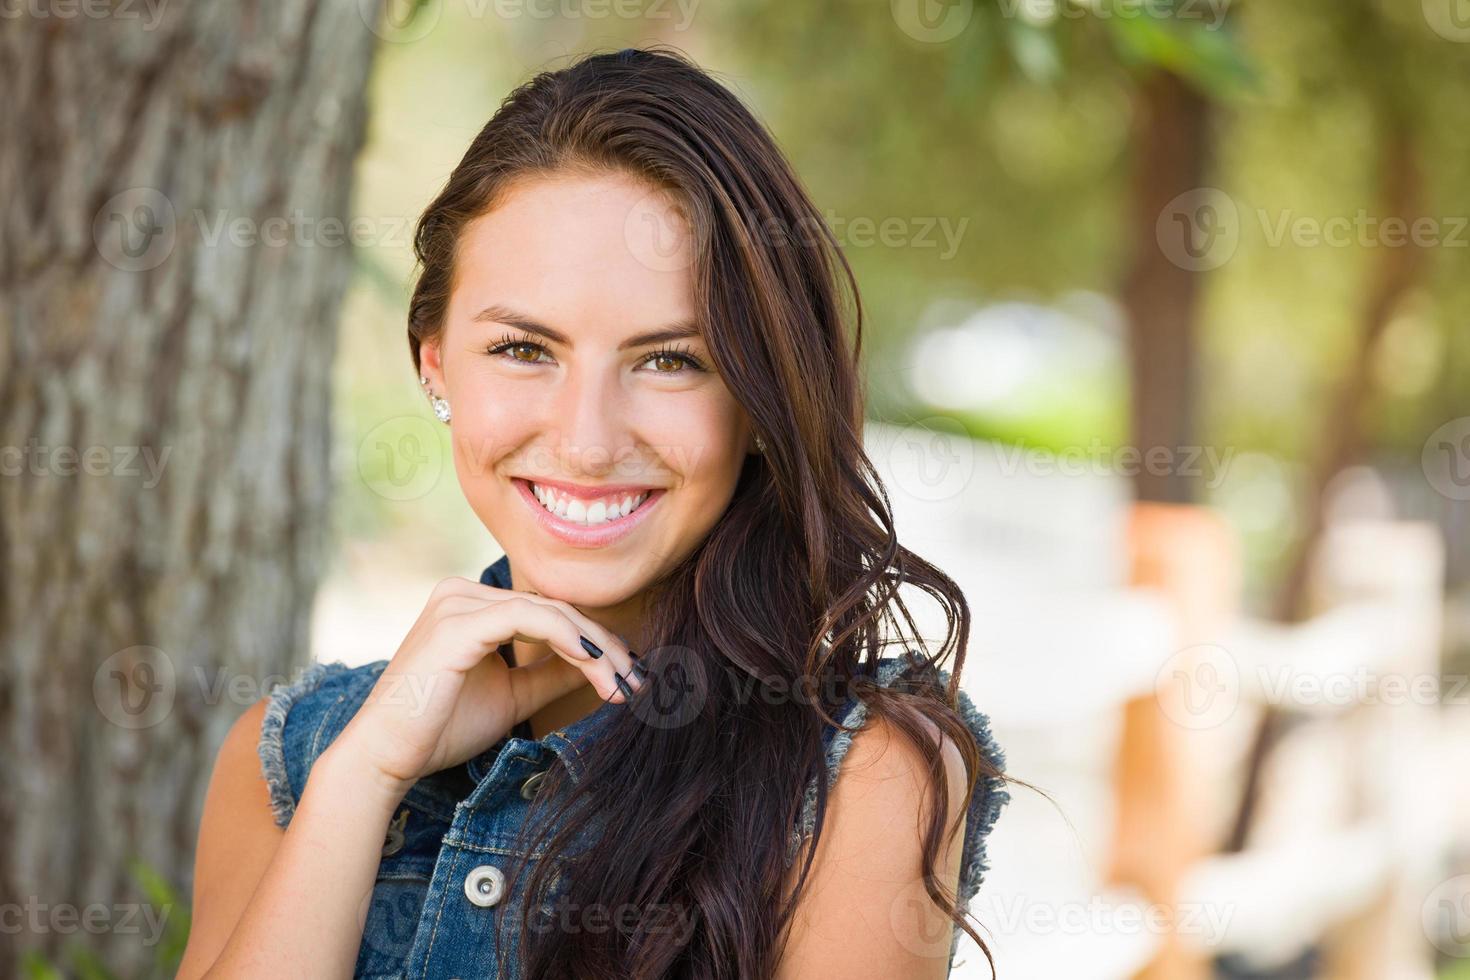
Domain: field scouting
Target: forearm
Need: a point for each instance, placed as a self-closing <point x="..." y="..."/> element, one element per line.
<point x="305" y="917"/>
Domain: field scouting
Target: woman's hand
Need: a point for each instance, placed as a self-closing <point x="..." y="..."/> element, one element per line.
<point x="446" y="696"/>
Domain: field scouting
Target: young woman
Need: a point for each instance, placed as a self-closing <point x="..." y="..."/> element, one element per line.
<point x="660" y="737"/>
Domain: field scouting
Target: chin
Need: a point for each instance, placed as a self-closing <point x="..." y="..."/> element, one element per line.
<point x="590" y="580"/>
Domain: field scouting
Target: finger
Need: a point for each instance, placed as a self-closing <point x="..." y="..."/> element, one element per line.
<point x="453" y="605"/>
<point x="603" y="642"/>
<point x="459" y="585"/>
<point x="536" y="621"/>
<point x="626" y="680"/>
<point x="611" y="646"/>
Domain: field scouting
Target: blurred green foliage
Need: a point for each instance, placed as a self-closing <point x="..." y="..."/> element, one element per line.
<point x="1018" y="132"/>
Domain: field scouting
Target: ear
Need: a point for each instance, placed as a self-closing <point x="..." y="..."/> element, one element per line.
<point x="751" y="449"/>
<point x="431" y="366"/>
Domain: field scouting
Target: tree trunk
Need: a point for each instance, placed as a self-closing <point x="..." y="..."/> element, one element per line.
<point x="171" y="278"/>
<point x="1174" y="549"/>
<point x="1159" y="293"/>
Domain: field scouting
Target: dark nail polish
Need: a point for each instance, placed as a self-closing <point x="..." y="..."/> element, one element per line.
<point x="623" y="685"/>
<point x="631" y="653"/>
<point x="590" y="647"/>
<point x="642" y="674"/>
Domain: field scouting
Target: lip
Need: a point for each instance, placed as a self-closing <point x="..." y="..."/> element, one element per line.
<point x="580" y="535"/>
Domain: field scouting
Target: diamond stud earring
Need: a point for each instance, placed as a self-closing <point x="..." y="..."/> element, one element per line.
<point x="760" y="445"/>
<point x="440" y="406"/>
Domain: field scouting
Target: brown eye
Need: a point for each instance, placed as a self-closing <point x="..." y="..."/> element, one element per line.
<point x="677" y="361"/>
<point x="524" y="351"/>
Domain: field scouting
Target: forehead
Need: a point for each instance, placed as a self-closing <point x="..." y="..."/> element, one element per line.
<point x="599" y="254"/>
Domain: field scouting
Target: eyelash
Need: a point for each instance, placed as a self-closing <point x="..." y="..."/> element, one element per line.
<point x="681" y="354"/>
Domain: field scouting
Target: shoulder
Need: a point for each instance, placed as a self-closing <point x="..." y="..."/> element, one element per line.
<point x="300" y="718"/>
<point x="868" y="865"/>
<point x="878" y="762"/>
<point x="236" y="842"/>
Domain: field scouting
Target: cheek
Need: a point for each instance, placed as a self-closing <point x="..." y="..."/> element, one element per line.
<point x="700" y="440"/>
<point x="486" y="428"/>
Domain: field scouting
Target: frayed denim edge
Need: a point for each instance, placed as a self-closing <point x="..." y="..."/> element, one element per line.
<point x="976" y="862"/>
<point x="272" y="729"/>
<point x="972" y="872"/>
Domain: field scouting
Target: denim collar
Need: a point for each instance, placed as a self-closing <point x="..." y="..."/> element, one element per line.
<point x="498" y="574"/>
<point x="569" y="741"/>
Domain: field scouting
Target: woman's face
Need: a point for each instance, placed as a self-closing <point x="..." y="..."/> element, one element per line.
<point x="550" y="360"/>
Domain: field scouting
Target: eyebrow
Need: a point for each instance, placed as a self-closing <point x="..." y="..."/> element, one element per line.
<point x="496" y="313"/>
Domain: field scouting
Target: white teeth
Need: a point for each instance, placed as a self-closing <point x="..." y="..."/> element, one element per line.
<point x="597" y="512"/>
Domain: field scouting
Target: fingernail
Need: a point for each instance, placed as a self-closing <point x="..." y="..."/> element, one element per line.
<point x="642" y="674"/>
<point x="590" y="647"/>
<point x="623" y="685"/>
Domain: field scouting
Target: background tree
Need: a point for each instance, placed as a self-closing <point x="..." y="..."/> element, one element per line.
<point x="176" y="180"/>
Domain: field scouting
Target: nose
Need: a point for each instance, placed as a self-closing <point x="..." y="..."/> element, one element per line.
<point x="591" y="417"/>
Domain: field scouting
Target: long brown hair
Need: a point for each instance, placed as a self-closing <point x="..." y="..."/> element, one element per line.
<point x="794" y="589"/>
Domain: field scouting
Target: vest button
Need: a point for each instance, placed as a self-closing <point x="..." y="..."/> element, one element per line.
<point x="532" y="784"/>
<point x="485" y="885"/>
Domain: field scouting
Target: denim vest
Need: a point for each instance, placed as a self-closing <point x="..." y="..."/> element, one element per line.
<point x="449" y="851"/>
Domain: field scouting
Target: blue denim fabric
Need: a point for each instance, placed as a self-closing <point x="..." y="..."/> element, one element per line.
<point x="461" y="824"/>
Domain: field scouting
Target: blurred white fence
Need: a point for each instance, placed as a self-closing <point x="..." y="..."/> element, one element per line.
<point x="1354" y="821"/>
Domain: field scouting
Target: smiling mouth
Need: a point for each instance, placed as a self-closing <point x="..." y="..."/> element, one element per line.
<point x="602" y="510"/>
<point x="586" y="509"/>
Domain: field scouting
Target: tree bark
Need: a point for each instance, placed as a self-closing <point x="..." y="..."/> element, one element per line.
<point x="165" y="384"/>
